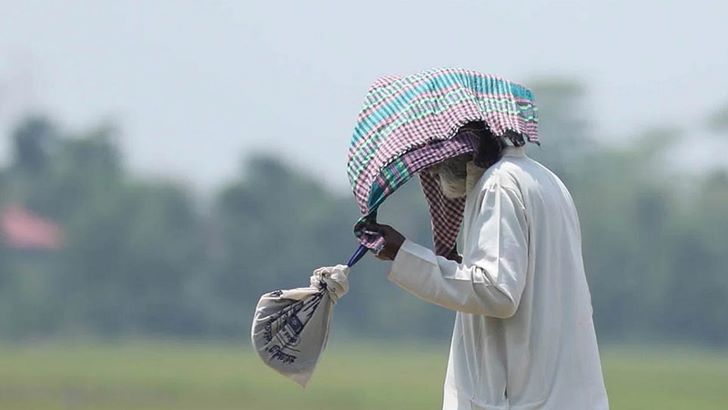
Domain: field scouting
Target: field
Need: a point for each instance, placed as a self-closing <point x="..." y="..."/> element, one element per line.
<point x="184" y="376"/>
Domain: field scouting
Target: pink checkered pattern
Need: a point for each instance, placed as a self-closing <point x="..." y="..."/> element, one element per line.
<point x="411" y="119"/>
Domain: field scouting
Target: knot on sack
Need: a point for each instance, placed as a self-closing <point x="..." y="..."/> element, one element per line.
<point x="333" y="279"/>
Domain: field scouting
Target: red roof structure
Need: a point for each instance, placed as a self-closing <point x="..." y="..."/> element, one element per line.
<point x="23" y="229"/>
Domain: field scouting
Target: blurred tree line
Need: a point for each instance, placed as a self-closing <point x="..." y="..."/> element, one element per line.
<point x="143" y="257"/>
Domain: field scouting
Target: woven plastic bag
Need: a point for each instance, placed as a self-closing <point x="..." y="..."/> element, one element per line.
<point x="291" y="327"/>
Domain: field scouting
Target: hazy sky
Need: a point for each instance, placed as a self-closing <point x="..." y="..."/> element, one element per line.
<point x="196" y="86"/>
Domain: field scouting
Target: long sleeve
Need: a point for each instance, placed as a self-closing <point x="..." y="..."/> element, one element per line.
<point x="492" y="278"/>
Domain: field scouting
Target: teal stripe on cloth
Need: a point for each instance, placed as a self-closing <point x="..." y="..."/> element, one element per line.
<point x="424" y="111"/>
<point x="436" y="83"/>
<point x="423" y="108"/>
<point x="395" y="174"/>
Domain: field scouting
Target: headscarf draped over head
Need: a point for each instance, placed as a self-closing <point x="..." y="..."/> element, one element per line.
<point x="409" y="124"/>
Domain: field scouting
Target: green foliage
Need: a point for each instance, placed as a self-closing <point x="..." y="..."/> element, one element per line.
<point x="33" y="141"/>
<point x="140" y="256"/>
<point x="130" y="248"/>
<point x="718" y="121"/>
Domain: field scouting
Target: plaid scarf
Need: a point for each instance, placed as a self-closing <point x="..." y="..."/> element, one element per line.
<point x="409" y="124"/>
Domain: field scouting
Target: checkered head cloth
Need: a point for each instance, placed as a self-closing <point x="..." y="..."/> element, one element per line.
<point x="408" y="124"/>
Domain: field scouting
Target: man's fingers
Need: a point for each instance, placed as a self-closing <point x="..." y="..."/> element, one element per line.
<point x="385" y="255"/>
<point x="373" y="226"/>
<point x="392" y="239"/>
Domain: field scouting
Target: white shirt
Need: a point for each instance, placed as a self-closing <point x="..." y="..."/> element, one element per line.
<point x="524" y="336"/>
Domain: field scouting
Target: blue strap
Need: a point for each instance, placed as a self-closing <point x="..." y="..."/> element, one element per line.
<point x="358" y="253"/>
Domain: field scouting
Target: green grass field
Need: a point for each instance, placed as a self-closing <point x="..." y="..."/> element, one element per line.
<point x="182" y="376"/>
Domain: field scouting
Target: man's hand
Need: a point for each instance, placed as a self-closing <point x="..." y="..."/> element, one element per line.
<point x="393" y="240"/>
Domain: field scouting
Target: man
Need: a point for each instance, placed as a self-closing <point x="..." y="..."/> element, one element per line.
<point x="524" y="336"/>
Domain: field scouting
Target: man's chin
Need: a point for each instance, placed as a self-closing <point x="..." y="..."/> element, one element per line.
<point x="453" y="195"/>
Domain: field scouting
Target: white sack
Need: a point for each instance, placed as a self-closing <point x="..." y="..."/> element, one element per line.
<point x="291" y="327"/>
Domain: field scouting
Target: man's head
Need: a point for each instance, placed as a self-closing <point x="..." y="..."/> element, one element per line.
<point x="451" y="175"/>
<point x="456" y="176"/>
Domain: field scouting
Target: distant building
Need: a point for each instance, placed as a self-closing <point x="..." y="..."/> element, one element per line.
<point x="22" y="229"/>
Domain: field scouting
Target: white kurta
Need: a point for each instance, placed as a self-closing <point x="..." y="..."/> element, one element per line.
<point x="524" y="336"/>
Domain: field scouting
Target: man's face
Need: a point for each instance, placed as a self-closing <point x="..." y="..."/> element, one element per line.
<point x="451" y="175"/>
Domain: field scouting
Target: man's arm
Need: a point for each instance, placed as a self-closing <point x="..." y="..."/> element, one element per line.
<point x="492" y="282"/>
